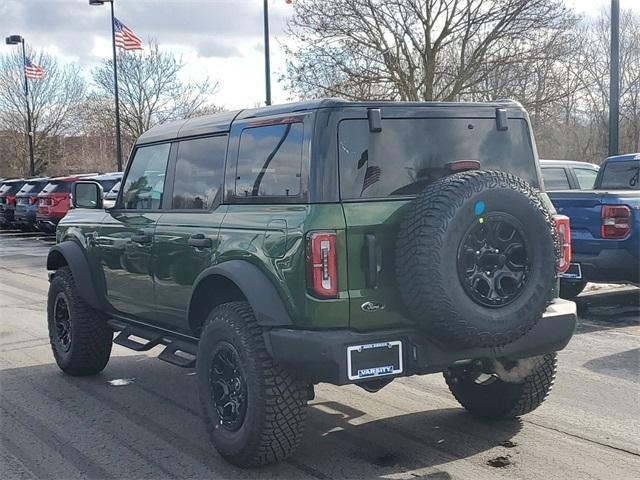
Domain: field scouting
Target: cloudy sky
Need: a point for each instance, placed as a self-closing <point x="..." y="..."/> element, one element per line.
<point x="221" y="39"/>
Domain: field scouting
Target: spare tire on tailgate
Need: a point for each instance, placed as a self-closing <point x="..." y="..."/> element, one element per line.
<point x="475" y="258"/>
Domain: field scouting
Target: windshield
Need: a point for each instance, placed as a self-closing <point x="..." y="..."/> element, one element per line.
<point x="410" y="153"/>
<point x="621" y="175"/>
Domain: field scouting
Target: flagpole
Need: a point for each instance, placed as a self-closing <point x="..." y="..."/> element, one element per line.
<point x="115" y="83"/>
<point x="32" y="166"/>
<point x="267" y="66"/>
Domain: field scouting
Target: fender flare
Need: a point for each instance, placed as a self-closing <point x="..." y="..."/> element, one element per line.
<point x="75" y="258"/>
<point x="258" y="289"/>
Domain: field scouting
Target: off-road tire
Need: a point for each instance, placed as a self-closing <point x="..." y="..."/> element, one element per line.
<point x="428" y="245"/>
<point x="570" y="290"/>
<point x="276" y="410"/>
<point x="91" y="337"/>
<point x="500" y="399"/>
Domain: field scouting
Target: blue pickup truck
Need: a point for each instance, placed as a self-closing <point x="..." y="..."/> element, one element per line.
<point x="605" y="226"/>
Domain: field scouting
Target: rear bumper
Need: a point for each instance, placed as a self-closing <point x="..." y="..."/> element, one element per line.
<point x="47" y="224"/>
<point x="612" y="265"/>
<point x="322" y="356"/>
<point x="25" y="215"/>
<point x="6" y="216"/>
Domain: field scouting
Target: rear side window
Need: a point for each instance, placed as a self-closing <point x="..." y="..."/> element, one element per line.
<point x="621" y="175"/>
<point x="57" y="187"/>
<point x="270" y="161"/>
<point x="144" y="185"/>
<point x="555" y="179"/>
<point x="199" y="173"/>
<point x="409" y="154"/>
<point x="586" y="177"/>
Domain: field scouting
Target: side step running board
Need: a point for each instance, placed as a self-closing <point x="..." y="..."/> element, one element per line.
<point x="179" y="352"/>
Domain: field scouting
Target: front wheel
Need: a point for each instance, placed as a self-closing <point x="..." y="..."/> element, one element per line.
<point x="488" y="396"/>
<point x="254" y="409"/>
<point x="80" y="337"/>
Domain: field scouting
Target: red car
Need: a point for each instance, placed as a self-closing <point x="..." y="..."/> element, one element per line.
<point x="54" y="201"/>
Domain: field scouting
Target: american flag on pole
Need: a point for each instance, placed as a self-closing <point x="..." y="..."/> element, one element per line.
<point x="371" y="175"/>
<point x="31" y="70"/>
<point x="125" y="38"/>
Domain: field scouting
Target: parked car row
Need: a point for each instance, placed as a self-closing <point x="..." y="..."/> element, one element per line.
<point x="40" y="203"/>
<point x="604" y="207"/>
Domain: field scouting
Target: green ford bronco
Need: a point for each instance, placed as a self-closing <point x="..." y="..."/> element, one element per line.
<point x="323" y="241"/>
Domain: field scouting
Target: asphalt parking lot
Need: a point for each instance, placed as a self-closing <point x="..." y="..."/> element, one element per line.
<point x="140" y="417"/>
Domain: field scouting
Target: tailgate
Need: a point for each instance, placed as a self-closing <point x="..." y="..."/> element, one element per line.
<point x="372" y="228"/>
<point x="584" y="208"/>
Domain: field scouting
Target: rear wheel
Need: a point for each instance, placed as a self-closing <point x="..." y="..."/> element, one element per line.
<point x="486" y="395"/>
<point x="571" y="290"/>
<point x="79" y="335"/>
<point x="255" y="410"/>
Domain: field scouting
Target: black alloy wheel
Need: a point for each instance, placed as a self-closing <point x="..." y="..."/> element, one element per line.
<point x="228" y="386"/>
<point x="492" y="260"/>
<point x="62" y="321"/>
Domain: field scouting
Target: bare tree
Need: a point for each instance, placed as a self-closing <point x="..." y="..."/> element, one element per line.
<point x="414" y="49"/>
<point x="151" y="90"/>
<point x="53" y="101"/>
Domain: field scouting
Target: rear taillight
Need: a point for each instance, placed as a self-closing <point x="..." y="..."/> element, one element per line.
<point x="322" y="271"/>
<point x="616" y="221"/>
<point x="563" y="231"/>
<point x="33" y="199"/>
<point x="463" y="165"/>
<point x="11" y="199"/>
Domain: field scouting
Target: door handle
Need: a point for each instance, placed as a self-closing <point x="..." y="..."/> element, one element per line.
<point x="371" y="260"/>
<point x="141" y="238"/>
<point x="200" y="241"/>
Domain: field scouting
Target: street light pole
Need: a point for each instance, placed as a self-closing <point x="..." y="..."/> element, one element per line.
<point x="614" y="78"/>
<point x="115" y="81"/>
<point x="14" y="40"/>
<point x="267" y="66"/>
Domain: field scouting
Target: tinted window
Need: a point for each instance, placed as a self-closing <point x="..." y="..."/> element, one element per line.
<point x="199" y="172"/>
<point x="409" y="154"/>
<point x="144" y="185"/>
<point x="270" y="161"/>
<point x="113" y="193"/>
<point x="621" y="175"/>
<point x="32" y="188"/>
<point x="586" y="177"/>
<point x="107" y="184"/>
<point x="57" y="187"/>
<point x="555" y="179"/>
<point x="10" y="188"/>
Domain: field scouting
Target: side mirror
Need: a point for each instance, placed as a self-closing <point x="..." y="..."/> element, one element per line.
<point x="87" y="195"/>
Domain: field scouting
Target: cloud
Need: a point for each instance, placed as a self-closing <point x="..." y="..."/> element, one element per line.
<point x="212" y="28"/>
<point x="210" y="48"/>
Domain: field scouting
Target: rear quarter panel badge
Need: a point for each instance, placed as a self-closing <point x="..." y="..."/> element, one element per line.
<point x="372" y="306"/>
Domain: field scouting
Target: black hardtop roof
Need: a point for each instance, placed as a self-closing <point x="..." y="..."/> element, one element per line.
<point x="221" y="122"/>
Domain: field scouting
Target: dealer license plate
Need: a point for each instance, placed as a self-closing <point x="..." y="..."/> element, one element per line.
<point x="374" y="360"/>
<point x="574" y="272"/>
